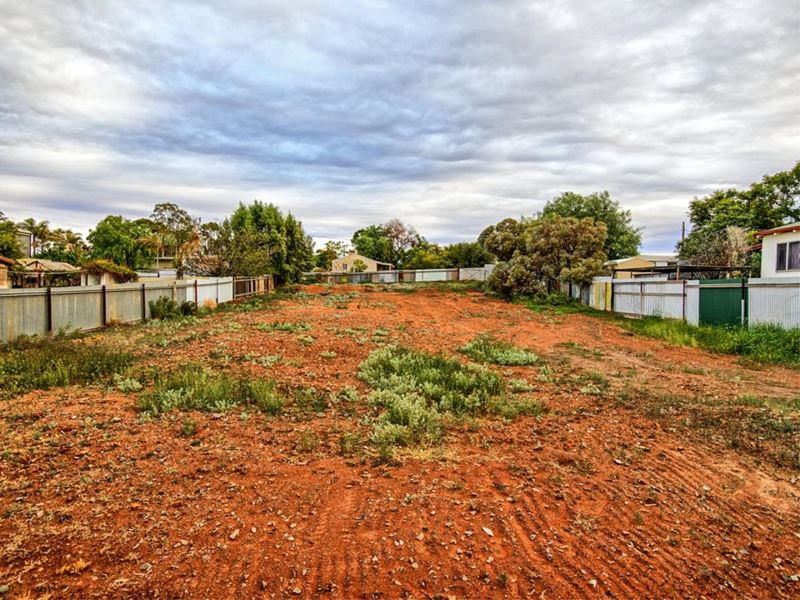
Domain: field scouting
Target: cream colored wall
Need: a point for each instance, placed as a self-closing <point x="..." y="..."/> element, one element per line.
<point x="5" y="283"/>
<point x="631" y="263"/>
<point x="344" y="264"/>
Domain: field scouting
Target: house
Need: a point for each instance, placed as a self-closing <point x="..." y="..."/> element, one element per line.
<point x="347" y="263"/>
<point x="780" y="251"/>
<point x="5" y="266"/>
<point x="621" y="267"/>
<point x="39" y="272"/>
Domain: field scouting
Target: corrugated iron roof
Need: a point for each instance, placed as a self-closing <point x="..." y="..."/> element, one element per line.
<point x="48" y="266"/>
<point x="790" y="228"/>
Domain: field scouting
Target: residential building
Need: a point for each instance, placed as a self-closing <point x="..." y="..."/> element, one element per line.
<point x="780" y="251"/>
<point x="621" y="267"/>
<point x="346" y="264"/>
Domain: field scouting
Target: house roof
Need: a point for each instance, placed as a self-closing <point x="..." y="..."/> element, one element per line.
<point x="6" y="261"/>
<point x="648" y="257"/>
<point x="790" y="228"/>
<point x="361" y="256"/>
<point x="47" y="266"/>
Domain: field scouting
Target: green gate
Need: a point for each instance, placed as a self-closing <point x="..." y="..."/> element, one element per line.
<point x="723" y="301"/>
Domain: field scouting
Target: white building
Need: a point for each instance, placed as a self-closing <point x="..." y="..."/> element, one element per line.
<point x="780" y="251"/>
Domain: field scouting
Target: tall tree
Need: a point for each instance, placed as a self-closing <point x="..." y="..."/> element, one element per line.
<point x="622" y="239"/>
<point x="65" y="245"/>
<point x="9" y="244"/>
<point x="504" y="239"/>
<point x="374" y="243"/>
<point x="467" y="254"/>
<point x="124" y="242"/>
<point x="324" y="257"/>
<point x="39" y="230"/>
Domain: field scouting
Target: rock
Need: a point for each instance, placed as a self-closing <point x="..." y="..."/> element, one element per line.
<point x="420" y="536"/>
<point x="234" y="534"/>
<point x="297" y="591"/>
<point x="488" y="531"/>
<point x="4" y="590"/>
<point x="593" y="582"/>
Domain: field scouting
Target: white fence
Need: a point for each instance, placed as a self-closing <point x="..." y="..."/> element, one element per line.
<point x="41" y="311"/>
<point x="650" y="297"/>
<point x="774" y="301"/>
<point x="405" y="276"/>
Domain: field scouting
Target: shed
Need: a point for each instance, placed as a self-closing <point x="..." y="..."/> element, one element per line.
<point x="105" y="272"/>
<point x="40" y="272"/>
<point x="625" y="268"/>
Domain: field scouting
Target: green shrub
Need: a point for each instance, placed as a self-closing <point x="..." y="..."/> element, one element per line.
<point x="187" y="308"/>
<point x="519" y="386"/>
<point x="164" y="307"/>
<point x="445" y="382"/>
<point x="127" y="384"/>
<point x="191" y="387"/>
<point x="487" y="349"/>
<point x="510" y="410"/>
<point x="42" y="364"/>
<point x="285" y="326"/>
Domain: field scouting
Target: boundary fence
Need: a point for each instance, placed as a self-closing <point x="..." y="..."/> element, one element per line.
<point x="43" y="311"/>
<point x="734" y="301"/>
<point x="401" y="276"/>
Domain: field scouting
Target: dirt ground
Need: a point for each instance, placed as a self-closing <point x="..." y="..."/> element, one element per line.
<point x="614" y="492"/>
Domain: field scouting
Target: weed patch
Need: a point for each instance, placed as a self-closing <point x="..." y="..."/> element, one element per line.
<point x="487" y="349"/>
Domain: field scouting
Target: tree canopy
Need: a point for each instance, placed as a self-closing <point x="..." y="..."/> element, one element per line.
<point x="9" y="245"/>
<point x="390" y="242"/>
<point x="622" y="238"/>
<point x="122" y="241"/>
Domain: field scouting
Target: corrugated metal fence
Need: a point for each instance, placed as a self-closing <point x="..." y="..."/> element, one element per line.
<point x="756" y="301"/>
<point x="407" y="276"/>
<point x="41" y="311"/>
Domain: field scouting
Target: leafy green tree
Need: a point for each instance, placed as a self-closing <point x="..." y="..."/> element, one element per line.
<point x="389" y="243"/>
<point x="359" y="266"/>
<point x="124" y="242"/>
<point x="426" y="255"/>
<point x="9" y="245"/>
<point x="771" y="202"/>
<point x="65" y="245"/>
<point x="467" y="254"/>
<point x="258" y="239"/>
<point x="551" y="250"/>
<point x="324" y="257"/>
<point x="622" y="239"/>
<point x="504" y="239"/>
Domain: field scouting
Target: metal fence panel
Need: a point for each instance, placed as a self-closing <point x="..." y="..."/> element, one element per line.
<point x="77" y="308"/>
<point x="775" y="301"/>
<point x="692" y="302"/>
<point x="22" y="312"/>
<point x="124" y="303"/>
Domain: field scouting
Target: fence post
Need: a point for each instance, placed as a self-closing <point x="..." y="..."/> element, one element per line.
<point x="103" y="307"/>
<point x="49" y="310"/>
<point x="195" y="291"/>
<point x="144" y="304"/>
<point x="744" y="302"/>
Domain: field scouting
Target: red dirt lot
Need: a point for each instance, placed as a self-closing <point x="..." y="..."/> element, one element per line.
<point x="611" y="493"/>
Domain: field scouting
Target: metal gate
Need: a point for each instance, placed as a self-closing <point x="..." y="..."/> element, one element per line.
<point x="723" y="301"/>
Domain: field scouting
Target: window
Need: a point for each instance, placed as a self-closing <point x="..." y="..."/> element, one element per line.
<point x="788" y="258"/>
<point x="781" y="264"/>
<point x="793" y="260"/>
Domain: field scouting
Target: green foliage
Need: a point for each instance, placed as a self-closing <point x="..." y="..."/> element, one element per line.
<point x="164" y="307"/>
<point x="9" y="245"/>
<point x="467" y="254"/>
<point x="122" y="273"/>
<point x="389" y="243"/>
<point x="511" y="409"/>
<point x="324" y="257"/>
<point x="487" y="349"/>
<point x="547" y="251"/>
<point x="285" y="326"/>
<point x="258" y="239"/>
<point x="190" y="387"/>
<point x="622" y="238"/>
<point x="764" y="343"/>
<point x="445" y="382"/>
<point x="426" y="255"/>
<point x="359" y="266"/>
<point x="727" y="247"/>
<point x="124" y="242"/>
<point x="503" y="240"/>
<point x="41" y="364"/>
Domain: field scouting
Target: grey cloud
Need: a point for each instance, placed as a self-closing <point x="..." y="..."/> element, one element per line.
<point x="448" y="114"/>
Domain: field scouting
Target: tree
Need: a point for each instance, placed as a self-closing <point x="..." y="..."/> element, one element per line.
<point x="373" y="243"/>
<point x="359" y="266"/>
<point x="9" y="244"/>
<point x="65" y="245"/>
<point x="504" y="239"/>
<point x="769" y="203"/>
<point x="325" y="256"/>
<point x="467" y="254"/>
<point x="426" y="255"/>
<point x="178" y="232"/>
<point x="258" y="239"/>
<point x="389" y="243"/>
<point x="622" y="239"/>
<point x="39" y="230"/>
<point x="552" y="250"/>
<point x="124" y="242"/>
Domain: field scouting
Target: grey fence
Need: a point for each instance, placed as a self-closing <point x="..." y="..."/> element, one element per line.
<point x="407" y="276"/>
<point x="42" y="311"/>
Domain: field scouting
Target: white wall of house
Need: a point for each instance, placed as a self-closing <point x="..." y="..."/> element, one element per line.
<point x="769" y="254"/>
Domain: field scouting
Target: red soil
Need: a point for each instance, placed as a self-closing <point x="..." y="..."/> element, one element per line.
<point x="590" y="500"/>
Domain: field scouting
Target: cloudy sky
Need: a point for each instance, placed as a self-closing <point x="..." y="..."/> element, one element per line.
<point x="449" y="114"/>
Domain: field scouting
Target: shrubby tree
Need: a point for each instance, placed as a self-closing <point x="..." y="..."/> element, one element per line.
<point x="503" y="240"/>
<point x="65" y="245"/>
<point x="389" y="243"/>
<point x="550" y="250"/>
<point x="467" y="254"/>
<point x="771" y="202"/>
<point x="426" y="255"/>
<point x="258" y="239"/>
<point x="40" y="233"/>
<point x="124" y="242"/>
<point x="622" y="238"/>
<point x="324" y="257"/>
<point x="9" y="245"/>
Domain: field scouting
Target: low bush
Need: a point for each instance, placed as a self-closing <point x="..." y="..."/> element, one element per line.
<point x="193" y="388"/>
<point x="445" y="382"/>
<point x="285" y="326"/>
<point x="487" y="349"/>
<point x="41" y="364"/>
<point x="164" y="307"/>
